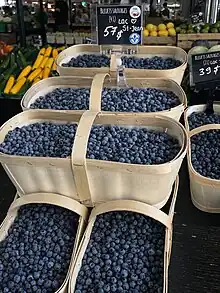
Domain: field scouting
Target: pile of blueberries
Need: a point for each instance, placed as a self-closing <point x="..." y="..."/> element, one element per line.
<point x="205" y="150"/>
<point x="40" y="140"/>
<point x="88" y="61"/>
<point x="92" y="60"/>
<point x="138" y="100"/>
<point x="156" y="63"/>
<point x="111" y="143"/>
<point x="114" y="100"/>
<point x="124" y="255"/>
<point x="64" y="99"/>
<point x="36" y="253"/>
<point x="131" y="145"/>
<point x="197" y="119"/>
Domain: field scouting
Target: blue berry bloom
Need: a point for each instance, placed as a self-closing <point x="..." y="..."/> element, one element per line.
<point x="114" y="100"/>
<point x="88" y="61"/>
<point x="117" y="239"/>
<point x="201" y="118"/>
<point x="205" y="150"/>
<point x="29" y="260"/>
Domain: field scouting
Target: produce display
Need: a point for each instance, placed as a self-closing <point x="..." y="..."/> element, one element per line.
<point x="36" y="253"/>
<point x="201" y="118"/>
<point x="161" y="30"/>
<point x="125" y="254"/>
<point x="23" y="67"/>
<point x="88" y="60"/>
<point x="113" y="143"/>
<point x="92" y="60"/>
<point x="113" y="99"/>
<point x="205" y="153"/>
<point x="156" y="63"/>
<point x="185" y="28"/>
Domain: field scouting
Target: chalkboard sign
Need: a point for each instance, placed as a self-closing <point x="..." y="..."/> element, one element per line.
<point x="206" y="69"/>
<point x="119" y="24"/>
<point x="197" y="18"/>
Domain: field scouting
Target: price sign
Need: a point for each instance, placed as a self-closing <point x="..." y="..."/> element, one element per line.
<point x="197" y="18"/>
<point x="206" y="68"/>
<point x="119" y="25"/>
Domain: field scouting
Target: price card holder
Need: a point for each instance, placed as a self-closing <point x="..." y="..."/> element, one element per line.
<point x="197" y="18"/>
<point x="119" y="24"/>
<point x="205" y="70"/>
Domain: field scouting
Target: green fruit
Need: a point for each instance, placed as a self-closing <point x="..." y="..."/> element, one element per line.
<point x="183" y="31"/>
<point x="190" y="27"/>
<point x="183" y="26"/>
<point x="197" y="29"/>
<point x="190" y="31"/>
<point x="214" y="30"/>
<point x="178" y="29"/>
<point x="204" y="31"/>
<point x="206" y="26"/>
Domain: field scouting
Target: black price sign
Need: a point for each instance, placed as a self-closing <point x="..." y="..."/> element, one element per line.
<point x="119" y="25"/>
<point x="197" y="18"/>
<point x="206" y="68"/>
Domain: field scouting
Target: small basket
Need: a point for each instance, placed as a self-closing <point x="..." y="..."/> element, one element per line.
<point x="134" y="206"/>
<point x="198" y="109"/>
<point x="87" y="180"/>
<point x="53" y="199"/>
<point x="175" y="74"/>
<point x="99" y="82"/>
<point x="205" y="192"/>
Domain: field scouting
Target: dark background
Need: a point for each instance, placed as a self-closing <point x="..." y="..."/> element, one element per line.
<point x="195" y="260"/>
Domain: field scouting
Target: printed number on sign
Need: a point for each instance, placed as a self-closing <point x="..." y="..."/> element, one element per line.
<point x="208" y="70"/>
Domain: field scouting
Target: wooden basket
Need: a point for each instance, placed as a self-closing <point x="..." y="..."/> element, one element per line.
<point x="198" y="109"/>
<point x="185" y="41"/>
<point x="47" y="85"/>
<point x="205" y="192"/>
<point x="87" y="180"/>
<point x="134" y="206"/>
<point x="175" y="74"/>
<point x="100" y="81"/>
<point x="97" y="83"/>
<point x="53" y="199"/>
<point x="166" y="41"/>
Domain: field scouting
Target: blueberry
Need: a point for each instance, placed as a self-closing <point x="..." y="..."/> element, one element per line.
<point x="197" y="119"/>
<point x="126" y="276"/>
<point x="29" y="272"/>
<point x="88" y="60"/>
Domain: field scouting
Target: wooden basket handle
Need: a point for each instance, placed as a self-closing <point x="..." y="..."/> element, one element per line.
<point x="96" y="91"/>
<point x="78" y="156"/>
<point x="113" y="63"/>
<point x="50" y="198"/>
<point x="203" y="128"/>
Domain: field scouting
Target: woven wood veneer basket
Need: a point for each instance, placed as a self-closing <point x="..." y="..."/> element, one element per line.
<point x="53" y="199"/>
<point x="87" y="180"/>
<point x="175" y="74"/>
<point x="134" y="206"/>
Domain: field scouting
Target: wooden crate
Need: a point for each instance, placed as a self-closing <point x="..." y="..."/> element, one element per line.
<point x="185" y="41"/>
<point x="169" y="41"/>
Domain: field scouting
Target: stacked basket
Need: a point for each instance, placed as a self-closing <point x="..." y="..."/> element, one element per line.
<point x="81" y="177"/>
<point x="203" y="186"/>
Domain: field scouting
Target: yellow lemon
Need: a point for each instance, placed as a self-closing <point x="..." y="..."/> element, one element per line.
<point x="153" y="34"/>
<point x="146" y="33"/>
<point x="170" y="25"/>
<point x="162" y="27"/>
<point x="150" y="27"/>
<point x="154" y="28"/>
<point x="163" y="33"/>
<point x="172" y="32"/>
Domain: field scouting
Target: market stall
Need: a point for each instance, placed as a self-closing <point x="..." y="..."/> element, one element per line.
<point x="97" y="154"/>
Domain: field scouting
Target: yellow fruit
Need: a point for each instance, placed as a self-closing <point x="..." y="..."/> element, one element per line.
<point x="172" y="32"/>
<point x="162" y="27"/>
<point x="170" y="25"/>
<point x="146" y="33"/>
<point x="154" y="28"/>
<point x="153" y="34"/>
<point x="163" y="33"/>
<point x="150" y="27"/>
